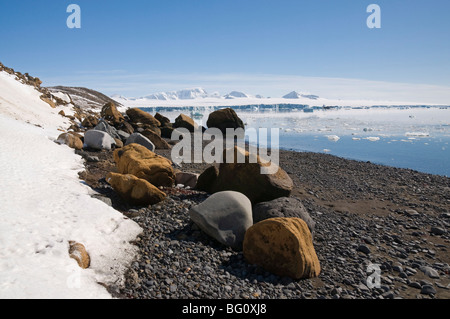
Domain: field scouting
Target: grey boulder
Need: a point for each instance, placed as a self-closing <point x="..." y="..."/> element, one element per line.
<point x="283" y="207"/>
<point x="225" y="216"/>
<point x="98" y="140"/>
<point x="140" y="139"/>
<point x="105" y="127"/>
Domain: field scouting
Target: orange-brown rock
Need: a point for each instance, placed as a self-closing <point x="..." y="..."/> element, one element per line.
<point x="139" y="161"/>
<point x="162" y="119"/>
<point x="186" y="122"/>
<point x="48" y="100"/>
<point x="110" y="113"/>
<point x="71" y="140"/>
<point x="283" y="246"/>
<point x="134" y="190"/>
<point x="90" y="121"/>
<point x="138" y="116"/>
<point x="78" y="252"/>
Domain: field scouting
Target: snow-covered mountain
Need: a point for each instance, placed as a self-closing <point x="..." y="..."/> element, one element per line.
<point x="187" y="94"/>
<point x="236" y="94"/>
<point x="200" y="93"/>
<point x="198" y="97"/>
<point x="296" y="95"/>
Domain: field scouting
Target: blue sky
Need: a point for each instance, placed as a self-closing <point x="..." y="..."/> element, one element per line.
<point x="264" y="47"/>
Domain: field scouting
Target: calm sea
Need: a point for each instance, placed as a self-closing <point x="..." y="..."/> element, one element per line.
<point x="407" y="137"/>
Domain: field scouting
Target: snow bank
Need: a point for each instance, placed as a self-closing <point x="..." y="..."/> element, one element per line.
<point x="45" y="205"/>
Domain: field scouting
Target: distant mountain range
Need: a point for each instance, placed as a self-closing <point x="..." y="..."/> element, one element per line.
<point x="200" y="93"/>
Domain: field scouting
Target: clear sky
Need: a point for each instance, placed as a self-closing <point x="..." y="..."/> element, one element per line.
<point x="267" y="47"/>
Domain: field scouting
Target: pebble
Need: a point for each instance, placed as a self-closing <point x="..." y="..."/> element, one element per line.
<point x="428" y="290"/>
<point x="438" y="231"/>
<point x="430" y="272"/>
<point x="364" y="249"/>
<point x="177" y="260"/>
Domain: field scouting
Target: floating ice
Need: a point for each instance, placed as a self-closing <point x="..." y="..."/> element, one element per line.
<point x="418" y="134"/>
<point x="372" y="138"/>
<point x="333" y="138"/>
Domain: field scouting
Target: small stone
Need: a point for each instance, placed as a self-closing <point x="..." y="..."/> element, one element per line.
<point x="430" y="272"/>
<point x="168" y="281"/>
<point x="428" y="290"/>
<point x="364" y="249"/>
<point x="438" y="231"/>
<point x="397" y="268"/>
<point x="414" y="284"/>
<point x="388" y="295"/>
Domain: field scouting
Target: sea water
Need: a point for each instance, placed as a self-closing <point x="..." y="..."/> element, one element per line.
<point x="407" y="137"/>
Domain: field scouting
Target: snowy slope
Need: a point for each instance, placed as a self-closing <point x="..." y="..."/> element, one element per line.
<point x="45" y="205"/>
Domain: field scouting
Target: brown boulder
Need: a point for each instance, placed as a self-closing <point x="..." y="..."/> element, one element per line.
<point x="138" y="116"/>
<point x="139" y="161"/>
<point x="70" y="140"/>
<point x="126" y="127"/>
<point x="186" y="122"/>
<point x="186" y="179"/>
<point x="90" y="121"/>
<point x="247" y="178"/>
<point x="134" y="190"/>
<point x="223" y="119"/>
<point x="282" y="246"/>
<point x="110" y="113"/>
<point x="166" y="131"/>
<point x="78" y="252"/>
<point x="156" y="139"/>
<point x="207" y="179"/>
<point x="162" y="119"/>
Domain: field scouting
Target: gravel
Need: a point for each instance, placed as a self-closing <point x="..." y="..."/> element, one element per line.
<point x="366" y="215"/>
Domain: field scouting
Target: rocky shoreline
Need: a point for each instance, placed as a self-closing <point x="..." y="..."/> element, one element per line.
<point x="364" y="214"/>
<point x="380" y="232"/>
